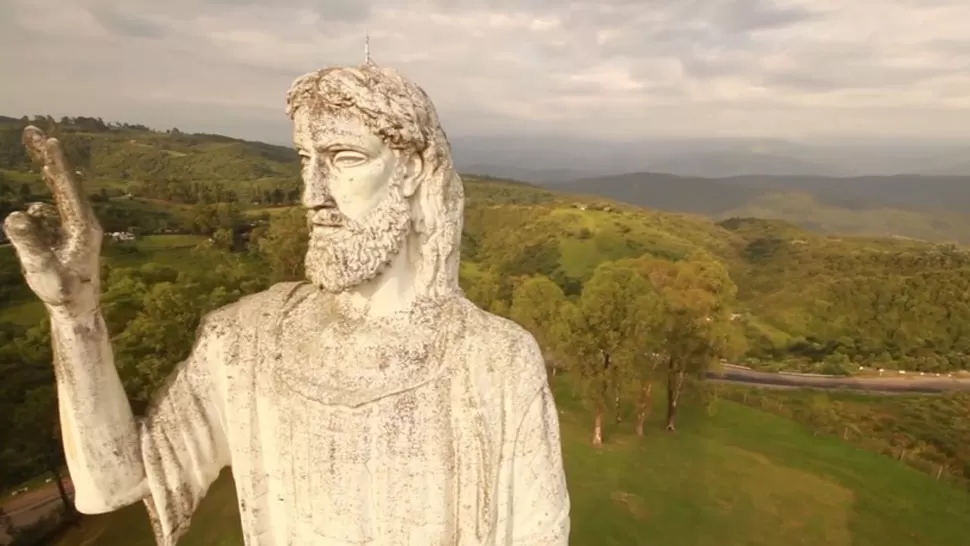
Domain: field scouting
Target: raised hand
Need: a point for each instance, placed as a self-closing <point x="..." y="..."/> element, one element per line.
<point x="59" y="248"/>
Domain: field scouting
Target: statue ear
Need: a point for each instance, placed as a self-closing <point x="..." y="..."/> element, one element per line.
<point x="414" y="175"/>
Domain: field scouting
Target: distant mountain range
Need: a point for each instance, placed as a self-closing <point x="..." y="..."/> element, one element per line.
<point x="914" y="206"/>
<point x="713" y="195"/>
<point x="552" y="160"/>
<point x="880" y="187"/>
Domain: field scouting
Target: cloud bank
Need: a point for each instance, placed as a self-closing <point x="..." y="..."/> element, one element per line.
<point x="603" y="69"/>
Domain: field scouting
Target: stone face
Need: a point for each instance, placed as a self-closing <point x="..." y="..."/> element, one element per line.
<point x="372" y="404"/>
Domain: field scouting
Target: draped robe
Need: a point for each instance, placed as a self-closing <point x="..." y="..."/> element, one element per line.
<point x="450" y="441"/>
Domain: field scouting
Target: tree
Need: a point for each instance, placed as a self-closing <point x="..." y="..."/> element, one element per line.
<point x="537" y="305"/>
<point x="37" y="428"/>
<point x="223" y="238"/>
<point x="277" y="196"/>
<point x="820" y="412"/>
<point x="605" y="329"/>
<point x="697" y="329"/>
<point x="650" y="344"/>
<point x="25" y="363"/>
<point x="486" y="290"/>
<point x="284" y="244"/>
<point x="162" y="330"/>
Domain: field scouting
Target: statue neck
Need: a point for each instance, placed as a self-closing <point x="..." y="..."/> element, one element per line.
<point x="394" y="290"/>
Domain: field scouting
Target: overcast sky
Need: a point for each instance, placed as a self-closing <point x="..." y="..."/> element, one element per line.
<point x="602" y="69"/>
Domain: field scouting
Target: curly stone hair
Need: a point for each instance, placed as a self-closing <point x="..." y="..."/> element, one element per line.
<point x="403" y="116"/>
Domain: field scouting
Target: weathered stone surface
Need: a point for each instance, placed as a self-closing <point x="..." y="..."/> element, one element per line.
<point x="371" y="405"/>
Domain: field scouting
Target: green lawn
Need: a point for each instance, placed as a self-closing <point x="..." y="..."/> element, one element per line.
<point x="175" y="251"/>
<point x="930" y="433"/>
<point x="271" y="211"/>
<point x="738" y="477"/>
<point x="171" y="250"/>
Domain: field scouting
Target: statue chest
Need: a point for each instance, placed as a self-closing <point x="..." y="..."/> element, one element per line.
<point x="363" y="443"/>
<point x="343" y="364"/>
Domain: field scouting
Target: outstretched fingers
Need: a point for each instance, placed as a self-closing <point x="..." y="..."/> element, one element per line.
<point x="34" y="140"/>
<point x="76" y="212"/>
<point x="78" y="220"/>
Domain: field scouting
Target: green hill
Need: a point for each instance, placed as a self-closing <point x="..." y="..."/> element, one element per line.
<point x="804" y="297"/>
<point x="737" y="477"/>
<point x="172" y="166"/>
<point x="115" y="159"/>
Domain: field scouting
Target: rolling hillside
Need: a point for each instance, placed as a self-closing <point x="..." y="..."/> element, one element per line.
<point x="805" y="297"/>
<point x="127" y="158"/>
<point x="117" y="159"/>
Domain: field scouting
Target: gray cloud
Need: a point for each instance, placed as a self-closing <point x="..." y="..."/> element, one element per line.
<point x="128" y="25"/>
<point x="751" y="15"/>
<point x="607" y="69"/>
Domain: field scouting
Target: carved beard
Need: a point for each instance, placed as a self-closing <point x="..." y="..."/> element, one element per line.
<point x="358" y="251"/>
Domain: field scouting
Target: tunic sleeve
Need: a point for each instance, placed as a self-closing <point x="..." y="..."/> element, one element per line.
<point x="540" y="501"/>
<point x="183" y="439"/>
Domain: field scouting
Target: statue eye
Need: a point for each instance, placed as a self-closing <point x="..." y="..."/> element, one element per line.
<point x="348" y="158"/>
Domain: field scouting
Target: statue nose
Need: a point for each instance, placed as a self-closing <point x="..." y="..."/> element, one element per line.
<point x="316" y="196"/>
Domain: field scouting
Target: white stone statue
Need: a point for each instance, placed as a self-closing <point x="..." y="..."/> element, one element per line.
<point x="372" y="405"/>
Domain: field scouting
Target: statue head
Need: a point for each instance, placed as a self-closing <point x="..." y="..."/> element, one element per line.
<point x="378" y="176"/>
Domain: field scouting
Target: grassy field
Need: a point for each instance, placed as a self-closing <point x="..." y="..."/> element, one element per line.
<point x="931" y="433"/>
<point x="738" y="477"/>
<point x="269" y="211"/>
<point x="168" y="250"/>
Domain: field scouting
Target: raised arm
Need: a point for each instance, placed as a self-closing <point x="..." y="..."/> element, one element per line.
<point x="107" y="449"/>
<point x="99" y="432"/>
<point x="540" y="500"/>
<point x="115" y="459"/>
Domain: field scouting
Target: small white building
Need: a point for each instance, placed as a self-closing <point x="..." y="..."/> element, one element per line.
<point x="119" y="236"/>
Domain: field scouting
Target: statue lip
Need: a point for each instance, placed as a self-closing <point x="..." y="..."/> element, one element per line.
<point x="327" y="218"/>
<point x="327" y="223"/>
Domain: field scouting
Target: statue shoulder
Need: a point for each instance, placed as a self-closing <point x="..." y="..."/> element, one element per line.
<point x="511" y="349"/>
<point x="256" y="310"/>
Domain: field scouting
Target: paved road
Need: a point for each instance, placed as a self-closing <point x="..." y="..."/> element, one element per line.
<point x="33" y="505"/>
<point x="888" y="385"/>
